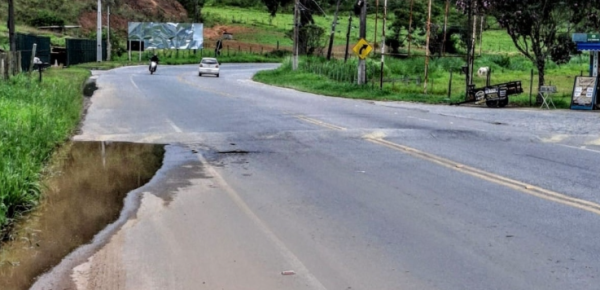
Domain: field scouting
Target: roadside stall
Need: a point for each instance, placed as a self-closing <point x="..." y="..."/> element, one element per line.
<point x="585" y="88"/>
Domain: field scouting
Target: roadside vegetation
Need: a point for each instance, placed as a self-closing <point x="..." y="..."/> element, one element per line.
<point x="180" y="57"/>
<point x="403" y="79"/>
<point x="35" y="118"/>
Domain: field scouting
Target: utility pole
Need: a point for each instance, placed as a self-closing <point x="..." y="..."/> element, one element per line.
<point x="376" y="16"/>
<point x="295" y="49"/>
<point x="427" y="50"/>
<point x="383" y="44"/>
<point x="108" y="46"/>
<point x="99" y="33"/>
<point x="196" y="12"/>
<point x="337" y="7"/>
<point x="362" y="64"/>
<point x="481" y="34"/>
<point x="12" y="59"/>
<point x="348" y="37"/>
<point x="11" y="26"/>
<point x="412" y="2"/>
<point x="469" y="72"/>
<point x="473" y="40"/>
<point x="445" y="27"/>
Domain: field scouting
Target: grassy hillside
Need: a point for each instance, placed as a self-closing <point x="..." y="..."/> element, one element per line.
<point x="267" y="30"/>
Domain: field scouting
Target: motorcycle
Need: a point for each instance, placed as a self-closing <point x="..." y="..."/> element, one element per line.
<point x="152" y="67"/>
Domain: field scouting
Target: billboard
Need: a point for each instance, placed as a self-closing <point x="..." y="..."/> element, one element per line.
<point x="170" y="35"/>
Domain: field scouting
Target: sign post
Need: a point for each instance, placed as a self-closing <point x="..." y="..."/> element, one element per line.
<point x="595" y="64"/>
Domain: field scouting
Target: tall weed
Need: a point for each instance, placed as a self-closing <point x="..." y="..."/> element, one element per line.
<point x="34" y="119"/>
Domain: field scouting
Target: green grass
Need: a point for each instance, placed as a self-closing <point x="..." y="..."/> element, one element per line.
<point x="173" y="57"/>
<point x="497" y="41"/>
<point x="267" y="30"/>
<point x="56" y="39"/>
<point x="270" y="30"/>
<point x="310" y="82"/>
<point x="34" y="119"/>
<point x="404" y="79"/>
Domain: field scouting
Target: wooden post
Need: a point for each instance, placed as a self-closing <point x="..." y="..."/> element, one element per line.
<point x="530" y="87"/>
<point x="9" y="64"/>
<point x="296" y="32"/>
<point x="348" y="38"/>
<point x="473" y="44"/>
<point x="376" y="16"/>
<point x="2" y="68"/>
<point x="140" y="50"/>
<point x="332" y="34"/>
<point x="450" y="85"/>
<point x="481" y="35"/>
<point x="427" y="50"/>
<point x="410" y="26"/>
<point x="108" y="47"/>
<point x="383" y="45"/>
<point x="32" y="58"/>
<point x="443" y="46"/>
<point x="11" y="26"/>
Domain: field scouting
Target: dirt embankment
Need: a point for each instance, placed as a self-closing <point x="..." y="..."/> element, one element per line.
<point x="136" y="10"/>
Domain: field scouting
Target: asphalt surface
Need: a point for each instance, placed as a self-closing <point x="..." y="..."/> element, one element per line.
<point x="346" y="194"/>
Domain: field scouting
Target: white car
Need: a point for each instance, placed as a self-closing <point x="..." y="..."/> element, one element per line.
<point x="208" y="65"/>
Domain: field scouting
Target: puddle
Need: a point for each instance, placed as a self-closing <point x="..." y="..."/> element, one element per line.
<point x="84" y="192"/>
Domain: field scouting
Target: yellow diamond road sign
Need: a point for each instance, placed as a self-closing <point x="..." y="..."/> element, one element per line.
<point x="362" y="48"/>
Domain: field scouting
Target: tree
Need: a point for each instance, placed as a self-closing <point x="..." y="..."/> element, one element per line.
<point x="401" y="24"/>
<point x="274" y="5"/>
<point x="194" y="9"/>
<point x="306" y="33"/>
<point x="586" y="16"/>
<point x="533" y="25"/>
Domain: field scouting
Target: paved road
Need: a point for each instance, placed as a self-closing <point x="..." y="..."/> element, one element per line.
<point x="347" y="194"/>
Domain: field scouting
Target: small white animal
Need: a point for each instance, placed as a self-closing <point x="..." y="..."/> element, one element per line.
<point x="483" y="71"/>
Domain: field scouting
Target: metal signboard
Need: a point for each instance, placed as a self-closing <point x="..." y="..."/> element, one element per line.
<point x="362" y="48"/>
<point x="584" y="93"/>
<point x="548" y="89"/>
<point x="593" y="37"/>
<point x="156" y="35"/>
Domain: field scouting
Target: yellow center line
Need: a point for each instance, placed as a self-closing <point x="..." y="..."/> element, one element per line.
<point x="320" y="123"/>
<point x="498" y="179"/>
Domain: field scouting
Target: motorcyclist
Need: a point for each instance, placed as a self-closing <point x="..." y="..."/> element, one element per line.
<point x="155" y="59"/>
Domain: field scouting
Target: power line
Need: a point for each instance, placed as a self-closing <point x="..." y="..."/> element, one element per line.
<point x="320" y="8"/>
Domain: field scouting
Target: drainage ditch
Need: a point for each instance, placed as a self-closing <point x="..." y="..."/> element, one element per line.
<point x="83" y="193"/>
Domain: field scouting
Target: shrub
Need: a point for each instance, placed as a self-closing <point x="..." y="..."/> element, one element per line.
<point x="46" y="18"/>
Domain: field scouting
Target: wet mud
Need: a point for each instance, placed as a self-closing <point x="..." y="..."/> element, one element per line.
<point x="83" y="193"/>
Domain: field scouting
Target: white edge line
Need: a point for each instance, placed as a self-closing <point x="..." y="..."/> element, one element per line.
<point x="290" y="257"/>
<point x="177" y="129"/>
<point x="578" y="148"/>
<point x="131" y="79"/>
